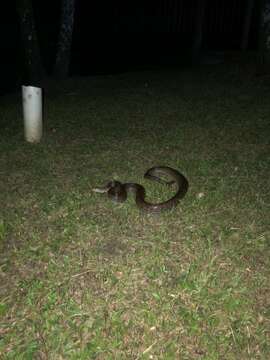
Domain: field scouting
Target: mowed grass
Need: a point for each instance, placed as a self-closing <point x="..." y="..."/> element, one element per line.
<point x="85" y="278"/>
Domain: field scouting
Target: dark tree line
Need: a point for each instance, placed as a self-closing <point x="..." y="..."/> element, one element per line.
<point x="32" y="54"/>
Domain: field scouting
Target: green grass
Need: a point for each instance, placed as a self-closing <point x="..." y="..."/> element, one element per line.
<point x="84" y="278"/>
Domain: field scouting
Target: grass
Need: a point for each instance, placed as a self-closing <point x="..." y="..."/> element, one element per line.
<point x="84" y="278"/>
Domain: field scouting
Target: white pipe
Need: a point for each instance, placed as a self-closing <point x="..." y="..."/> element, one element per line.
<point x="32" y="113"/>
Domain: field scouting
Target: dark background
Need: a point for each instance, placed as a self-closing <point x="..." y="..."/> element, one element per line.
<point x="120" y="35"/>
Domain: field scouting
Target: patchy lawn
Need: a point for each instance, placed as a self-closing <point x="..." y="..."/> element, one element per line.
<point x="84" y="278"/>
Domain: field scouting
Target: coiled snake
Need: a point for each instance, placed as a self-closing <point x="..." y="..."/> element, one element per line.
<point x="118" y="191"/>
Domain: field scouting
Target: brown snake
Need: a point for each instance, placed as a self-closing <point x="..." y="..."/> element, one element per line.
<point x="118" y="191"/>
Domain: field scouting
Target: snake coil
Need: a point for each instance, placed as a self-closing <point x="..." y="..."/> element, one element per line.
<point x="117" y="191"/>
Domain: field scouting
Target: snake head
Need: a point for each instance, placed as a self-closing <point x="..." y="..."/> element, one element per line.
<point x="117" y="191"/>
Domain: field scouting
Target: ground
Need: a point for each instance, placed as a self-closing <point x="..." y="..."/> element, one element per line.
<point x="85" y="278"/>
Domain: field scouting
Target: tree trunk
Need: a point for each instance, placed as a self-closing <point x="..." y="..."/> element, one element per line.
<point x="264" y="40"/>
<point x="62" y="63"/>
<point x="246" y="24"/>
<point x="32" y="58"/>
<point x="198" y="31"/>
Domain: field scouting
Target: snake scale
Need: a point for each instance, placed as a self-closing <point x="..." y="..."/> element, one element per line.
<point x="117" y="191"/>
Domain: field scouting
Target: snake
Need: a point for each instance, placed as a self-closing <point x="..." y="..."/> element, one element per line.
<point x="118" y="191"/>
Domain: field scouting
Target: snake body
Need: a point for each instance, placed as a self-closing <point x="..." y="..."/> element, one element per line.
<point x="118" y="191"/>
